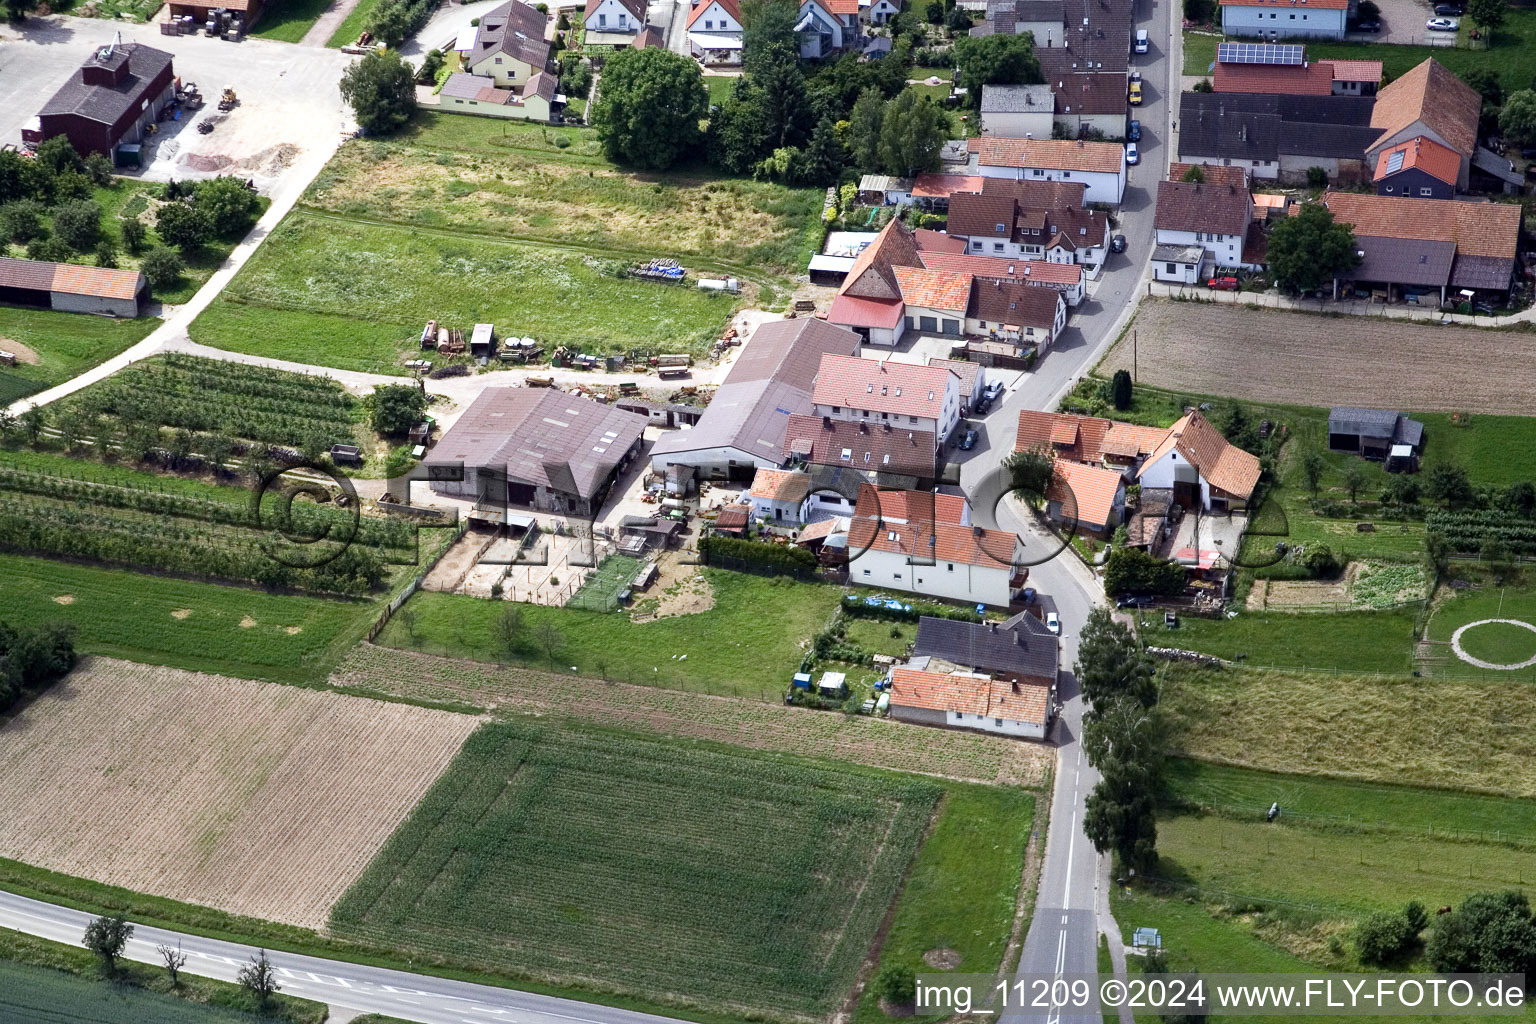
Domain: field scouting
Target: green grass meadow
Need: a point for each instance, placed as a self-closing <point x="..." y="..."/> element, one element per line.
<point x="287" y="21"/>
<point x="962" y="890"/>
<point x="747" y="645"/>
<point x="391" y="280"/>
<point x="1350" y="641"/>
<point x="1496" y="643"/>
<point x="352" y="26"/>
<point x="689" y="875"/>
<point x="66" y="344"/>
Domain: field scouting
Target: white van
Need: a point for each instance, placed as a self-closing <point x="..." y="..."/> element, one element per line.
<point x="1142" y="42"/>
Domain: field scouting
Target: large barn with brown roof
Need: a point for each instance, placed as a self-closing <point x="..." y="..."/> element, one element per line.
<point x="68" y="288"/>
<point x="117" y="93"/>
<point x="1432" y="102"/>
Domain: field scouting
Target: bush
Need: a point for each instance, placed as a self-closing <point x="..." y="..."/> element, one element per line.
<point x="162" y="267"/>
<point x="22" y="221"/>
<point x="856" y="606"/>
<point x="230" y="205"/>
<point x="779" y="556"/>
<point x="1317" y="177"/>
<point x="33" y="658"/>
<point x="396" y="408"/>
<point x="49" y="250"/>
<point x="896" y="985"/>
<point x="184" y="225"/>
<point x="1384" y="938"/>
<point x="77" y="224"/>
<point x="133" y="232"/>
<point x="1133" y="571"/>
<point x="1199" y="11"/>
<point x="1322" y="563"/>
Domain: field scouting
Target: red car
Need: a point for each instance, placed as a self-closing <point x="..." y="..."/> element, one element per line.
<point x="1223" y="284"/>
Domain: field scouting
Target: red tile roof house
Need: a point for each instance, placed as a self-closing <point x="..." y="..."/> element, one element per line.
<point x="117" y="92"/>
<point x="920" y="543"/>
<point x="1428" y="101"/>
<point x="1059" y="229"/>
<point x="966" y="700"/>
<point x="1020" y="314"/>
<point x="1419" y="168"/>
<point x="902" y="396"/>
<point x="780" y="496"/>
<point x="714" y="31"/>
<point x="1214" y="217"/>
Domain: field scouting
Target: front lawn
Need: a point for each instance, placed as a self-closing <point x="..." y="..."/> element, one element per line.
<point x="1200" y="52"/>
<point x="354" y="295"/>
<point x="749" y="644"/>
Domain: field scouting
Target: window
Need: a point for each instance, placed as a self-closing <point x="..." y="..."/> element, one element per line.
<point x="1389" y="190"/>
<point x="498" y="60"/>
<point x="976" y="244"/>
<point x="1255" y="163"/>
<point x="896" y="575"/>
<point x="708" y="24"/>
<point x="1066" y="174"/>
<point x="983" y="325"/>
<point x="866" y="572"/>
<point x="997" y="246"/>
<point x="951" y="566"/>
<point x="837" y="408"/>
<point x="1173" y="268"/>
<point x="1001" y="228"/>
<point x="602" y="19"/>
<point x="1293" y="17"/>
<point x="1426" y="191"/>
<point x="1199" y="236"/>
<point x="847" y="454"/>
<point x="998" y="721"/>
<point x="869" y="389"/>
<point x="911" y="419"/>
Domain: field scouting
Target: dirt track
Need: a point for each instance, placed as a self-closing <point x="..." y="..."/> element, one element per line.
<point x="254" y="798"/>
<point x="1302" y="359"/>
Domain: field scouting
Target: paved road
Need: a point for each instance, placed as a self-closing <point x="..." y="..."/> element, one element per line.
<point x="348" y="988"/>
<point x="1071" y="907"/>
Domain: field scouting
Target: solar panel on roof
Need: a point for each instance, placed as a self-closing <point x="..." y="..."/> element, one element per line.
<point x="1261" y="53"/>
<point x="1395" y="161"/>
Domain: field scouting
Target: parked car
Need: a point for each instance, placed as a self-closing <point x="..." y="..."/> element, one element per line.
<point x="1372" y="26"/>
<point x="1134" y="601"/>
<point x="1117" y="244"/>
<point x="1135" y="94"/>
<point x="1448" y="10"/>
<point x="1053" y="623"/>
<point x="1132" y="154"/>
<point x="1442" y="24"/>
<point x="1142" y="42"/>
<point x="982" y="405"/>
<point x="992" y="390"/>
<point x="1135" y="75"/>
<point x="1133" y="131"/>
<point x="969" y="441"/>
<point x="1223" y="284"/>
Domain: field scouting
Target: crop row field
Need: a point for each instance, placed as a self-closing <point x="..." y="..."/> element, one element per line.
<point x="687" y="875"/>
<point x="391" y="279"/>
<point x="543" y="183"/>
<point x="256" y="799"/>
<point x="761" y="725"/>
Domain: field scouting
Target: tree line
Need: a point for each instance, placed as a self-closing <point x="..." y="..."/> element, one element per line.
<point x="33" y="658"/>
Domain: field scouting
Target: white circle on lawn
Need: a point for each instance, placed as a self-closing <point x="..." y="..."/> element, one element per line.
<point x="1479" y="662"/>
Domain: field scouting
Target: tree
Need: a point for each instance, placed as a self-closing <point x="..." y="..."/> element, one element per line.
<point x="106" y="937"/>
<point x="259" y="978"/>
<point x="1521" y="498"/>
<point x="1448" y="483"/>
<point x="230" y="204"/>
<point x="32" y="423"/>
<point x="16" y="10"/>
<point x="784" y="103"/>
<point x="98" y="168"/>
<point x="106" y="254"/>
<point x="825" y="156"/>
<point x="1486" y="82"/>
<point x="768" y="28"/>
<point x="1121" y="390"/>
<point x="511" y="629"/>
<point x="1489" y="933"/>
<point x="174" y="960"/>
<point x="738" y="134"/>
<point x="1354" y="478"/>
<point x="382" y="91"/>
<point x="397" y="408"/>
<point x="161" y="267"/>
<point x="1313" y="466"/>
<point x="58" y="156"/>
<point x="1517" y="121"/>
<point x="1437" y="552"/>
<point x="22" y="220"/>
<point x="1367" y="10"/>
<point x="1030" y="471"/>
<point x="1495" y="553"/>
<point x="1321" y="562"/>
<point x="649" y="104"/>
<point x="864" y="123"/>
<point x="1403" y="489"/>
<point x="432" y="63"/>
<point x="550" y="638"/>
<point x="994" y="60"/>
<point x="1204" y="85"/>
<point x="912" y="133"/>
<point x="1309" y="250"/>
<point x="185" y="225"/>
<point x="896" y="984"/>
<point x="133" y="234"/>
<point x="49" y="250"/>
<point x="958" y="19"/>
<point x="1111" y="663"/>
<point x="1384" y="938"/>
<point x="1199" y="12"/>
<point x="1317" y="177"/>
<point x="1489" y="14"/>
<point x="1125" y="741"/>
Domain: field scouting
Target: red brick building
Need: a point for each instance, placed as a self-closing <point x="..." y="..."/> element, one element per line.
<point x="112" y="98"/>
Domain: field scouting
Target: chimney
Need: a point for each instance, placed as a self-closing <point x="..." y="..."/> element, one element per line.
<point x="863" y="427"/>
<point x="993" y="624"/>
<point x="826" y="421"/>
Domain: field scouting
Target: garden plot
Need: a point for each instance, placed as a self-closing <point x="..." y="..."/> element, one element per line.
<point x="253" y="798"/>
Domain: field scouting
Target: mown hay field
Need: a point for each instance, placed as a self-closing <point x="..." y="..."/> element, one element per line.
<point x="357" y="295"/>
<point x="762" y="725"/>
<point x="687" y="875"/>
<point x="1478" y="736"/>
<point x="516" y="180"/>
<point x="1302" y="359"/>
<point x="252" y="798"/>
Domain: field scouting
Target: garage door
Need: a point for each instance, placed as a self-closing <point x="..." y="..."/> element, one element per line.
<point x="929" y="324"/>
<point x="952" y="327"/>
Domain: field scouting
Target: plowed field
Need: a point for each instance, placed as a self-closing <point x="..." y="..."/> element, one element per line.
<point x="249" y="797"/>
<point x="1301" y="359"/>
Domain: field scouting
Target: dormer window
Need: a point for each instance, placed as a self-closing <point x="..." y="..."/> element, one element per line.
<point x="869" y="389"/>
